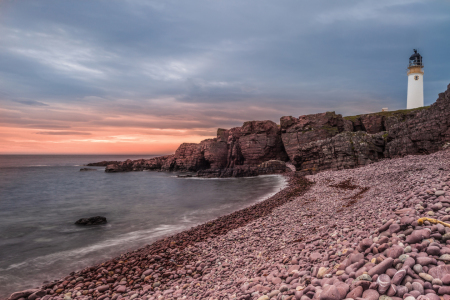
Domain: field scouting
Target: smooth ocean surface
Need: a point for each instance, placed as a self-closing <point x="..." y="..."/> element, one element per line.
<point x="42" y="196"/>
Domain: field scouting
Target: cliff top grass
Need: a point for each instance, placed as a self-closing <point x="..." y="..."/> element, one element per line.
<point x="388" y="113"/>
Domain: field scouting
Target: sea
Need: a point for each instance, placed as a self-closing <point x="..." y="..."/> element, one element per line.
<point x="41" y="197"/>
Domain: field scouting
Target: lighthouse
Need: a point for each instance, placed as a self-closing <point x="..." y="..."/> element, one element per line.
<point x="415" y="81"/>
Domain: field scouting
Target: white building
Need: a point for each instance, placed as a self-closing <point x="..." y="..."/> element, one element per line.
<point x="415" y="81"/>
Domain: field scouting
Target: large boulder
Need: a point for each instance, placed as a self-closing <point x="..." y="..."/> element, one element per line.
<point x="98" y="220"/>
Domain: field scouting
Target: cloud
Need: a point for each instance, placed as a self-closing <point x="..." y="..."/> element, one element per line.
<point x="63" y="133"/>
<point x="178" y="70"/>
<point x="31" y="102"/>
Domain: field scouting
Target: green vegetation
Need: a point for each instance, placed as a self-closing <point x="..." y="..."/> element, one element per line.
<point x="388" y="113"/>
<point x="332" y="130"/>
<point x="352" y="118"/>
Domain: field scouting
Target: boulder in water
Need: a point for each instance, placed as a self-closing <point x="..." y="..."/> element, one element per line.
<point x="98" y="220"/>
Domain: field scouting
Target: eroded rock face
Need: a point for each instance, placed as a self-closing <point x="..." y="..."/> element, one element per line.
<point x="427" y="132"/>
<point x="296" y="132"/>
<point x="343" y="151"/>
<point x="261" y="141"/>
<point x="311" y="142"/>
<point x="373" y="123"/>
<point x="235" y="152"/>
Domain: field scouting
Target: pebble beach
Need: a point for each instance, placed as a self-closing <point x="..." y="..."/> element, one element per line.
<point x="348" y="234"/>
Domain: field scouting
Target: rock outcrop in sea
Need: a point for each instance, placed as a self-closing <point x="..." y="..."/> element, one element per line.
<point x="311" y="143"/>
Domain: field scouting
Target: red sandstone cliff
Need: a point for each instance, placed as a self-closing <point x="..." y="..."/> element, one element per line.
<point x="311" y="142"/>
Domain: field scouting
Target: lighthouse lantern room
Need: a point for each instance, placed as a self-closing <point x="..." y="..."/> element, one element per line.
<point x="415" y="81"/>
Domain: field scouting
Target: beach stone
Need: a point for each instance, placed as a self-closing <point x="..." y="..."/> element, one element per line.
<point x="407" y="249"/>
<point x="414" y="293"/>
<point x="426" y="277"/>
<point x="356" y="292"/>
<point x="395" y="252"/>
<point x="446" y="279"/>
<point x="370" y="295"/>
<point x="394" y="228"/>
<point x="22" y="294"/>
<point x="433" y="250"/>
<point x="436" y="281"/>
<point x="103" y="288"/>
<point x="330" y="292"/>
<point x="381" y="267"/>
<point x="365" y="277"/>
<point x="439" y="271"/>
<point x="38" y="294"/>
<point x="444" y="290"/>
<point x="430" y="213"/>
<point x="264" y="297"/>
<point x="432" y="296"/>
<point x="409" y="262"/>
<point x="384" y="282"/>
<point x="424" y="261"/>
<point x="417" y="236"/>
<point x="121" y="289"/>
<point x="439" y="193"/>
<point x="445" y="237"/>
<point x="401" y="290"/>
<point x="283" y="288"/>
<point x="398" y="276"/>
<point x="445" y="258"/>
<point x="343" y="288"/>
<point x="273" y="293"/>
<point x="410" y="298"/>
<point x="321" y="272"/>
<point x="403" y="257"/>
<point x="416" y="286"/>
<point x="365" y="243"/>
<point x="315" y="256"/>
<point x="384" y="297"/>
<point x="418" y="268"/>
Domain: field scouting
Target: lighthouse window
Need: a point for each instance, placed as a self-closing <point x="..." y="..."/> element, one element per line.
<point x="416" y="77"/>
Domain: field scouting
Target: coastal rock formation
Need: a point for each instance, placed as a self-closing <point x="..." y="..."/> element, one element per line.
<point x="311" y="142"/>
<point x="427" y="132"/>
<point x="98" y="220"/>
<point x="344" y="151"/>
<point x="297" y="132"/>
<point x="102" y="163"/>
<point x="260" y="141"/>
<point x="235" y="152"/>
<point x="380" y="121"/>
<point x="268" y="167"/>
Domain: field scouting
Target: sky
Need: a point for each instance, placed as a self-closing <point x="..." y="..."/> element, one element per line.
<point x="142" y="76"/>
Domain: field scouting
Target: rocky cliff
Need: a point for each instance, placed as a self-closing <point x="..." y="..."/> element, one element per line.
<point x="236" y="152"/>
<point x="312" y="143"/>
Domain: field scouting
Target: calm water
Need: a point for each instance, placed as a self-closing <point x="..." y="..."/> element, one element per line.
<point x="42" y="196"/>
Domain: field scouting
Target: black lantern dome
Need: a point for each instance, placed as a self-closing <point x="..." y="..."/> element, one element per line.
<point x="415" y="59"/>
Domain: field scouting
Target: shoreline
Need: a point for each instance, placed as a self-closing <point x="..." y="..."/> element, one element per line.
<point x="315" y="243"/>
<point x="220" y="225"/>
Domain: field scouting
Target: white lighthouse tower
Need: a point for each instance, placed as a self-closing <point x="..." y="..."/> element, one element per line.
<point x="415" y="81"/>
